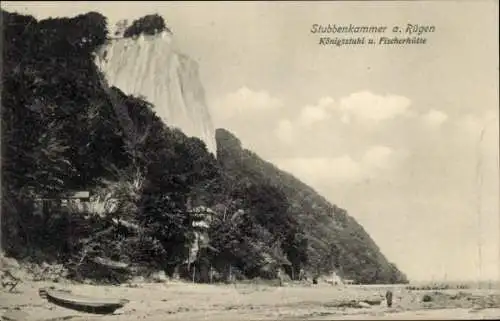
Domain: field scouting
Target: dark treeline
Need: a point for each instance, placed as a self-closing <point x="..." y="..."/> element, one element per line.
<point x="65" y="129"/>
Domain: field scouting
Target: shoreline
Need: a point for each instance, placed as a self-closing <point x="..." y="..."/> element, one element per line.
<point x="179" y="300"/>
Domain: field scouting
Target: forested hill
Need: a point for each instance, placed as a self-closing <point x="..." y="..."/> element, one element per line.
<point x="335" y="240"/>
<point x="64" y="128"/>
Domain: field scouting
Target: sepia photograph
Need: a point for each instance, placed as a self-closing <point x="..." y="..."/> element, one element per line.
<point x="249" y="160"/>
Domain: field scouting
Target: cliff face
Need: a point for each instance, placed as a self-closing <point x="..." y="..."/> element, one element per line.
<point x="151" y="67"/>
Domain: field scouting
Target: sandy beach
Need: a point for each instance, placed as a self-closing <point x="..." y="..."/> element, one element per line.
<point x="174" y="300"/>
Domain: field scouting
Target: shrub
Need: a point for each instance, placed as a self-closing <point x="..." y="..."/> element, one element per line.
<point x="149" y="25"/>
<point x="426" y="298"/>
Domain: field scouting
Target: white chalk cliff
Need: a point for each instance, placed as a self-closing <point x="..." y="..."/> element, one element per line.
<point x="151" y="67"/>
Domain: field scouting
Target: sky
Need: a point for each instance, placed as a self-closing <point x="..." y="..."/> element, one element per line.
<point x="403" y="137"/>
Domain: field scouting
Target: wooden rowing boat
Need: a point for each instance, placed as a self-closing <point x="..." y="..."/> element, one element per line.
<point x="83" y="303"/>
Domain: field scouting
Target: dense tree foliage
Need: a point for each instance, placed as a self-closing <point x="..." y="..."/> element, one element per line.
<point x="148" y="25"/>
<point x="51" y="100"/>
<point x="59" y="131"/>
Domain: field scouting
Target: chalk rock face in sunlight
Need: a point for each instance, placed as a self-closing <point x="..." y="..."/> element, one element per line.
<point x="151" y="67"/>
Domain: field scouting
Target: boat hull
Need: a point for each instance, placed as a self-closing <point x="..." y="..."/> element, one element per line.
<point x="82" y="303"/>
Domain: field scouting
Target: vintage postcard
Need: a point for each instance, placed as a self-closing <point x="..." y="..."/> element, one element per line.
<point x="306" y="160"/>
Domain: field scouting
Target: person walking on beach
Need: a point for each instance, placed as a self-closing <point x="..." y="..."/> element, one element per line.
<point x="280" y="278"/>
<point x="388" y="298"/>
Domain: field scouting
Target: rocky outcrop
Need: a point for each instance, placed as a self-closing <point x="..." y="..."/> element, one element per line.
<point x="151" y="67"/>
